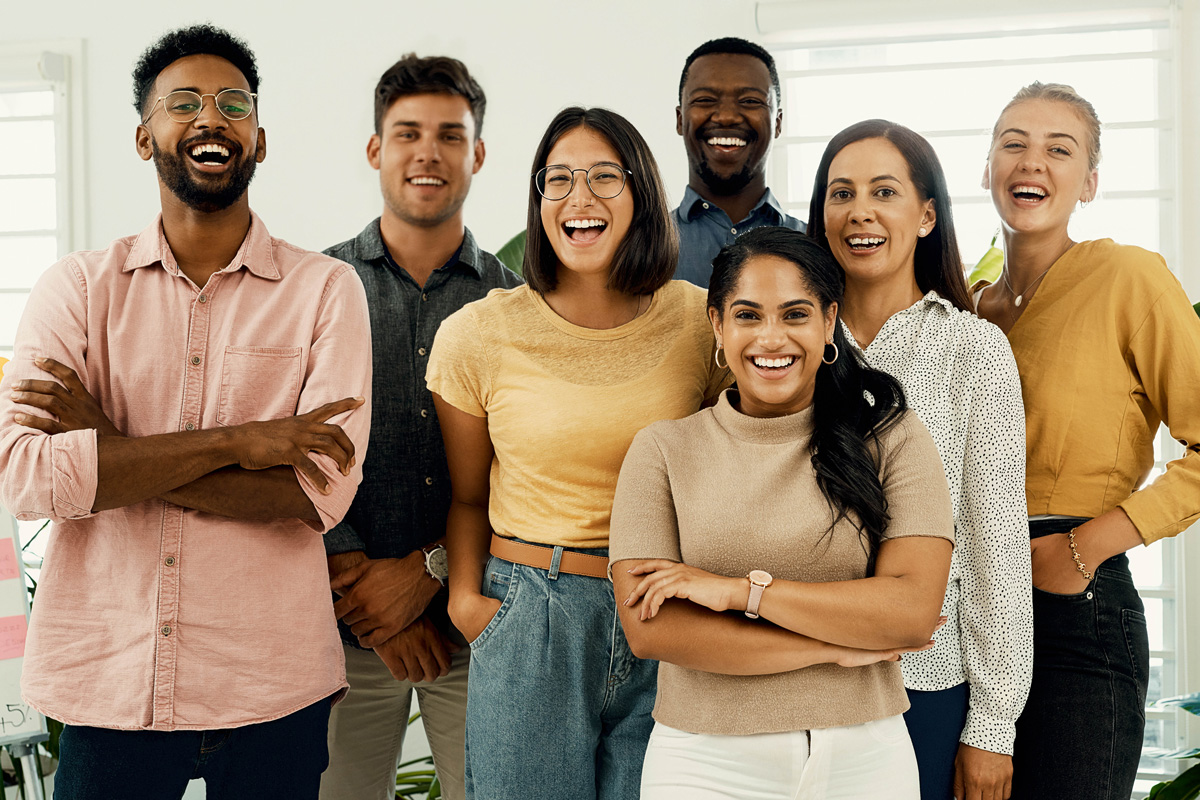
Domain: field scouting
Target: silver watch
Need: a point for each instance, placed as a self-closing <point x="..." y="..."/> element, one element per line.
<point x="437" y="566"/>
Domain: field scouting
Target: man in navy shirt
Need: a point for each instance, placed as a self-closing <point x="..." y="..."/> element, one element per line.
<point x="728" y="114"/>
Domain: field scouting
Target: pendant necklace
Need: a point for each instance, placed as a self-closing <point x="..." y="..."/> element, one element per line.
<point x="1018" y="298"/>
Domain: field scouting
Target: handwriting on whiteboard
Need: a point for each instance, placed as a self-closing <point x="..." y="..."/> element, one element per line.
<point x="12" y="636"/>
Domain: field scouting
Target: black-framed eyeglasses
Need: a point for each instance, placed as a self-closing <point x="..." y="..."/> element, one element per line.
<point x="606" y="180"/>
<point x="184" y="105"/>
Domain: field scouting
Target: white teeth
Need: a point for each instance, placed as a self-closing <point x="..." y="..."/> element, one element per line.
<point x="584" y="223"/>
<point x="426" y="181"/>
<point x="726" y="141"/>
<point x="786" y="361"/>
<point x="867" y="240"/>
<point x="201" y="149"/>
<point x="1030" y="190"/>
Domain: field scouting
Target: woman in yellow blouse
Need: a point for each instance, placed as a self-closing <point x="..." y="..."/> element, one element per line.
<point x="1108" y="347"/>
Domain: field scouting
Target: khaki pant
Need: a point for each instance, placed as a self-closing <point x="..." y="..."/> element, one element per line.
<point x="366" y="729"/>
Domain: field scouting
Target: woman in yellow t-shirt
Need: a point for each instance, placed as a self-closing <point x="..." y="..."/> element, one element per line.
<point x="1106" y="343"/>
<point x="539" y="391"/>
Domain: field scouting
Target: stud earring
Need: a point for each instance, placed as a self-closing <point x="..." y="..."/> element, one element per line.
<point x="922" y="232"/>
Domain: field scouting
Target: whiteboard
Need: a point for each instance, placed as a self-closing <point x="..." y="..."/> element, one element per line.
<point x="18" y="722"/>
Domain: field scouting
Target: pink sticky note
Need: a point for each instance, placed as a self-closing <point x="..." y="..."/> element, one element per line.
<point x="12" y="636"/>
<point x="8" y="559"/>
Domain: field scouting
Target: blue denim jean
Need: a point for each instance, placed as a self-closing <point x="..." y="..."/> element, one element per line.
<point x="1080" y="736"/>
<point x="557" y="705"/>
<point x="273" y="760"/>
<point x="935" y="720"/>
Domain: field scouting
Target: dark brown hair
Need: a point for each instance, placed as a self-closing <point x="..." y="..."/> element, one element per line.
<point x="645" y="260"/>
<point x="937" y="262"/>
<point x="430" y="75"/>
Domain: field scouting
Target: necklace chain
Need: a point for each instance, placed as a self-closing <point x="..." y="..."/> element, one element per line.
<point x="1018" y="297"/>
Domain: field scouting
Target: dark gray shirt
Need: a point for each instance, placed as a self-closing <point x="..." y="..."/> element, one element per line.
<point x="704" y="229"/>
<point x="402" y="501"/>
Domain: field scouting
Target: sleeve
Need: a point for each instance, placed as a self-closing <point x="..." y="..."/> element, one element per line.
<point x="458" y="365"/>
<point x="995" y="613"/>
<point x="914" y="482"/>
<point x="644" y="523"/>
<point x="342" y="538"/>
<point x="1164" y="353"/>
<point x="42" y="475"/>
<point x="339" y="365"/>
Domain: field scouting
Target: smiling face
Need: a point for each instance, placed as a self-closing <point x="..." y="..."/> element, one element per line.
<point x="1038" y="166"/>
<point x="727" y="119"/>
<point x="774" y="334"/>
<point x="207" y="163"/>
<point x="584" y="230"/>
<point x="874" y="213"/>
<point x="426" y="156"/>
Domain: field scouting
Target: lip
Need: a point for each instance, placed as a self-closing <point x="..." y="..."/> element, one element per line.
<point x="746" y="136"/>
<point x="571" y="240"/>
<point x="863" y="252"/>
<point x="773" y="373"/>
<point x="1028" y="202"/>
<point x="411" y="181"/>
<point x="185" y="149"/>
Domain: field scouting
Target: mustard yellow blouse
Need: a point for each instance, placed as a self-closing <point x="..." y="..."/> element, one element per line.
<point x="1107" y="349"/>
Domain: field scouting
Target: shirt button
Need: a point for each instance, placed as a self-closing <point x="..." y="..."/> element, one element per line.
<point x="169" y="561"/>
<point x="424" y="412"/>
<point x="733" y="230"/>
<point x="165" y="630"/>
<point x="1089" y="595"/>
<point x="203" y="298"/>
<point x="420" y="351"/>
<point x="429" y="481"/>
<point x="195" y="360"/>
<point x="705" y="205"/>
<point x="191" y="426"/>
<point x="424" y="297"/>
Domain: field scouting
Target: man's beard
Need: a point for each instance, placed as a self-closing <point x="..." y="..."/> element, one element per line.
<point x="174" y="174"/>
<point x="721" y="185"/>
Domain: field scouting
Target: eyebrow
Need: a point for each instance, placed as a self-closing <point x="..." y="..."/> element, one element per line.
<point x="876" y="179"/>
<point x="738" y="90"/>
<point x="1020" y="132"/>
<point x="197" y="90"/>
<point x="412" y="123"/>
<point x="598" y="163"/>
<point x="789" y="304"/>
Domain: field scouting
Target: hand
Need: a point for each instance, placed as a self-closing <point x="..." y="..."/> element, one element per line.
<point x="418" y="653"/>
<point x="1053" y="568"/>
<point x="472" y="613"/>
<point x="69" y="401"/>
<point x="982" y="775"/>
<point x="666" y="579"/>
<point x="288" y="441"/>
<point x="340" y="562"/>
<point x="853" y="657"/>
<point x="380" y="597"/>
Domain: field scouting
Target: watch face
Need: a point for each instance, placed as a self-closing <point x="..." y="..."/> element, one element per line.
<point x="760" y="577"/>
<point x="437" y="563"/>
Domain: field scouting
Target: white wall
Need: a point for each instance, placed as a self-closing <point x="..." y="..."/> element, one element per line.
<point x="319" y="63"/>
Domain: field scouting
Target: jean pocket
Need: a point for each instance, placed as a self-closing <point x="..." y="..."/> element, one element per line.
<point x="258" y="383"/>
<point x="1137" y="644"/>
<point x="499" y="583"/>
<point x="889" y="730"/>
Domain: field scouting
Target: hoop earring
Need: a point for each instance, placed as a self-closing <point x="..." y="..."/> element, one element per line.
<point x="835" y="354"/>
<point x="717" y="359"/>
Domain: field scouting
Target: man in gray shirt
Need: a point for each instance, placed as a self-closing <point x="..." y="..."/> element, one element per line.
<point x="418" y="264"/>
<point x="729" y="112"/>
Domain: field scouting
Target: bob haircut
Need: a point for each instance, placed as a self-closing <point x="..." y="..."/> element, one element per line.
<point x="645" y="260"/>
<point x="937" y="262"/>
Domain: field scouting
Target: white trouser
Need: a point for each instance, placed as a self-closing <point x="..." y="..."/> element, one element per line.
<point x="366" y="729"/>
<point x="872" y="760"/>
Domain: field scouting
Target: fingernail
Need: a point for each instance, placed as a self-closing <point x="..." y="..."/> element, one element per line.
<point x="20" y="417"/>
<point x="40" y="360"/>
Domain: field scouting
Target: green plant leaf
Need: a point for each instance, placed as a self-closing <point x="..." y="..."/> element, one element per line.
<point x="987" y="268"/>
<point x="1188" y="702"/>
<point x="1197" y="307"/>
<point x="512" y="255"/>
<point x="1160" y="752"/>
<point x="1185" y="786"/>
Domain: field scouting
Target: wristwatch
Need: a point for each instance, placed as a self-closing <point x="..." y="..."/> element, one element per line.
<point x="436" y="564"/>
<point x="759" y="581"/>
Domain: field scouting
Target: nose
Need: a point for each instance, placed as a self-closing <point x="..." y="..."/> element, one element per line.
<point x="581" y="194"/>
<point x="861" y="209"/>
<point x="771" y="334"/>
<point x="1032" y="160"/>
<point x="209" y="117"/>
<point x="726" y="110"/>
<point x="428" y="150"/>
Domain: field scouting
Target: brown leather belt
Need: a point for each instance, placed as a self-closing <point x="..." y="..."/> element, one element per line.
<point x="542" y="557"/>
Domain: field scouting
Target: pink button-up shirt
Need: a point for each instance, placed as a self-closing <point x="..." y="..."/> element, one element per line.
<point x="154" y="616"/>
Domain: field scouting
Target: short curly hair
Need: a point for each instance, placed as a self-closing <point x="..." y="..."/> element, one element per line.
<point x="197" y="40"/>
<point x="732" y="45"/>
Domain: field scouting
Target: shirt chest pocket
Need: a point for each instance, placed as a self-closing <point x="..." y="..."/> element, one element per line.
<point x="258" y="383"/>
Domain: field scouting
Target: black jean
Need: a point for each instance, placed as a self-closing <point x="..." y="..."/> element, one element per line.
<point x="1080" y="736"/>
<point x="277" y="760"/>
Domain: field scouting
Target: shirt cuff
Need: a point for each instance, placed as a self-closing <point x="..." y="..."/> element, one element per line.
<point x="994" y="734"/>
<point x="75" y="466"/>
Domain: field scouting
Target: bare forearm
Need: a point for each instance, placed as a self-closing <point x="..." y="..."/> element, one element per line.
<point x="468" y="535"/>
<point x="130" y="470"/>
<point x="258" y="494"/>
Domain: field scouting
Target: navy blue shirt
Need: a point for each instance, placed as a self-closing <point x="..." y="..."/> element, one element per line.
<point x="704" y="229"/>
<point x="404" y="496"/>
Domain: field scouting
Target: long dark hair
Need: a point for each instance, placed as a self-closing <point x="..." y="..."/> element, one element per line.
<point x="645" y="260"/>
<point x="846" y="425"/>
<point x="937" y="262"/>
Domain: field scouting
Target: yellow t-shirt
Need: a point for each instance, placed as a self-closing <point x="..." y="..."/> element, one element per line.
<point x="563" y="402"/>
<point x="1107" y="348"/>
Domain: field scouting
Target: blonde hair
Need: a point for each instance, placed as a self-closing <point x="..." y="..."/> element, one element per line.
<point x="1061" y="93"/>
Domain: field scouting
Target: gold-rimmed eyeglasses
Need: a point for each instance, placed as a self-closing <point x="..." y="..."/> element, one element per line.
<point x="606" y="180"/>
<point x="184" y="105"/>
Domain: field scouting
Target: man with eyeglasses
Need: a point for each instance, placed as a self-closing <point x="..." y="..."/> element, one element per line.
<point x="177" y="405"/>
<point x="419" y="264"/>
<point x="729" y="112"/>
